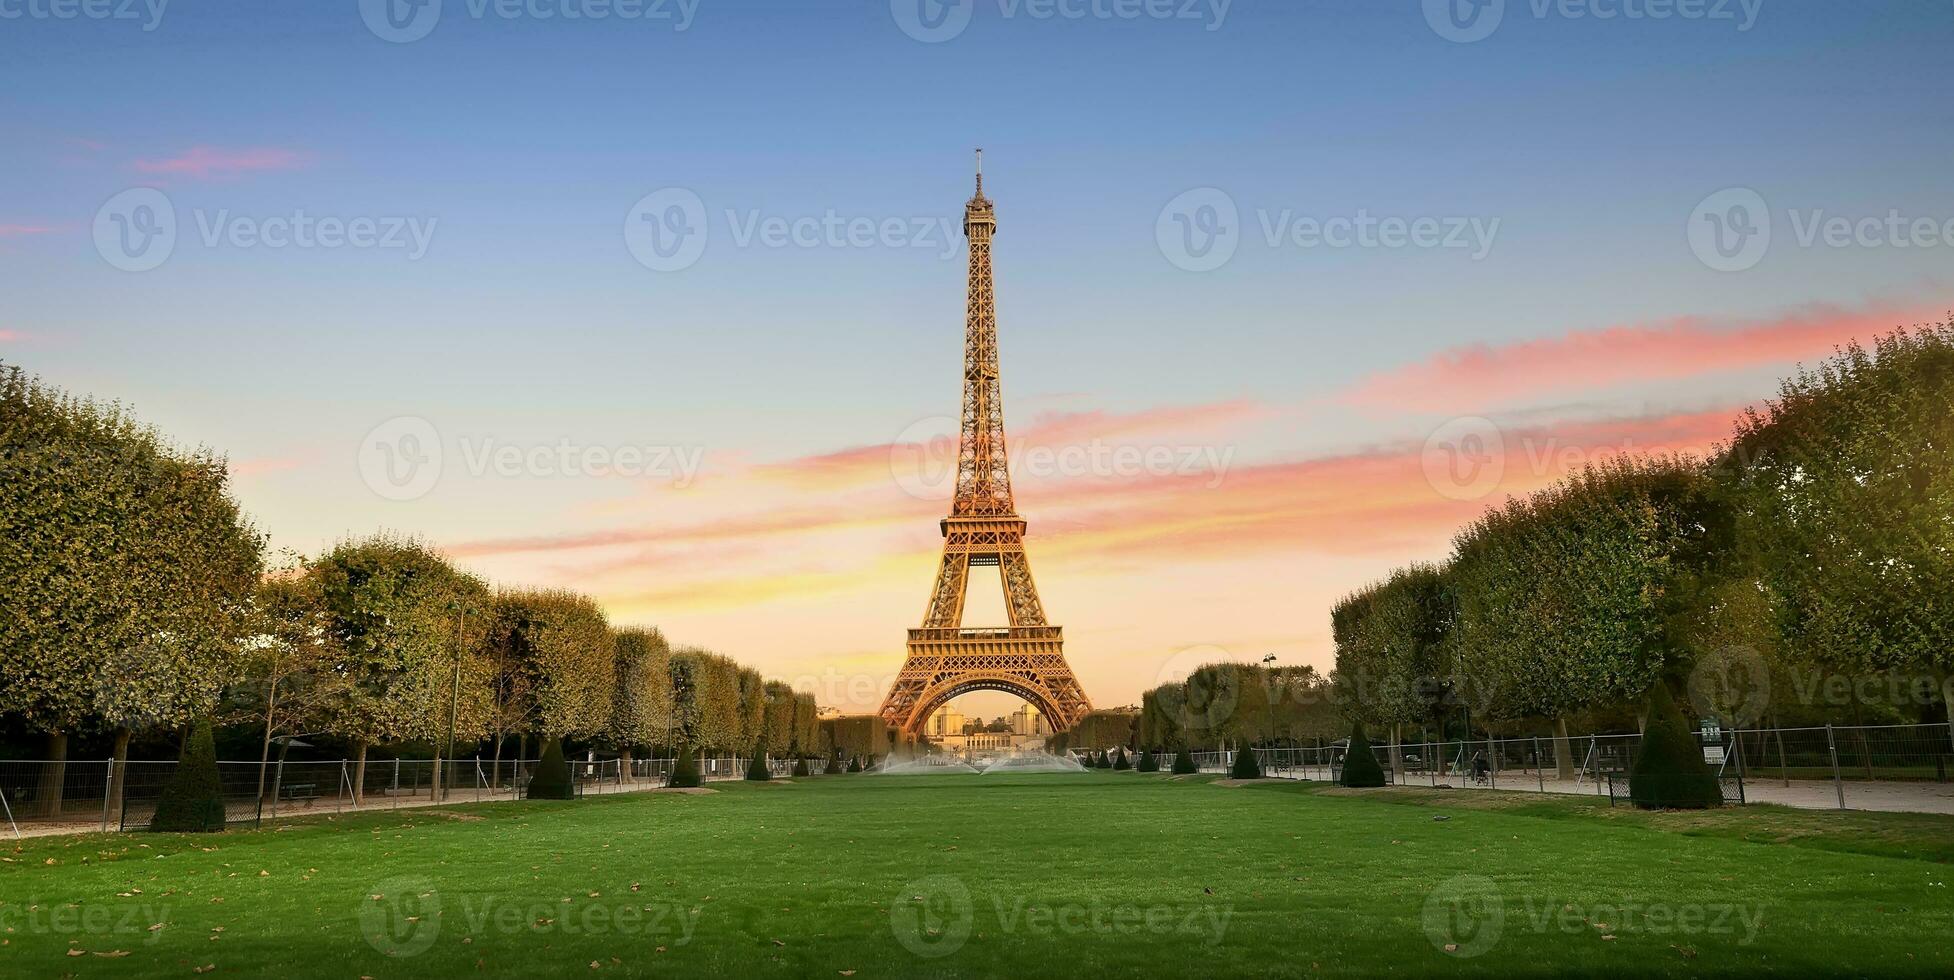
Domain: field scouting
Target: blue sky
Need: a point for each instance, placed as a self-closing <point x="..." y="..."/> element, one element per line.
<point x="525" y="143"/>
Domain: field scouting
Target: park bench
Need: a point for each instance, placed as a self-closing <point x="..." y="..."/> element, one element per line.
<point x="299" y="792"/>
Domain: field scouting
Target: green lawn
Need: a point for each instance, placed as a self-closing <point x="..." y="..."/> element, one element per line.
<point x="1089" y="875"/>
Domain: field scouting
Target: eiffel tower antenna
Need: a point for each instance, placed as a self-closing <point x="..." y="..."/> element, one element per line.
<point x="946" y="659"/>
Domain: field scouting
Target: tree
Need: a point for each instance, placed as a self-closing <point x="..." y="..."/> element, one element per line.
<point x="193" y="802"/>
<point x="778" y="721"/>
<point x="641" y="698"/>
<point x="126" y="574"/>
<point x="1148" y="762"/>
<point x="1120" y="761"/>
<point x="286" y="678"/>
<point x="685" y="768"/>
<point x="552" y="779"/>
<point x="752" y="711"/>
<point x="1245" y="765"/>
<point x="800" y="766"/>
<point x="756" y="768"/>
<point x="1360" y="768"/>
<point x="1669" y="771"/>
<point x="1844" y="490"/>
<point x="402" y="637"/>
<point x="1390" y="642"/>
<point x="1184" y="763"/>
<point x="562" y="646"/>
<point x="855" y="764"/>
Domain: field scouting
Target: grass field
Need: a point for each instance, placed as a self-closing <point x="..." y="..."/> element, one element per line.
<point x="1034" y="875"/>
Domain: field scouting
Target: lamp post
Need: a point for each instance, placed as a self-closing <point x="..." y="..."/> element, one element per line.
<point x="454" y="694"/>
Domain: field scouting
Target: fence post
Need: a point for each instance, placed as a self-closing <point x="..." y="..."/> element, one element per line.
<point x="108" y="788"/>
<point x="1539" y="765"/>
<point x="1594" y="748"/>
<point x="1832" y="746"/>
<point x="345" y="789"/>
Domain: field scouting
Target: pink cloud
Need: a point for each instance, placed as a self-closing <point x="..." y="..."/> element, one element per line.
<point x="11" y="336"/>
<point x="20" y="231"/>
<point x="1480" y="376"/>
<point x="206" y="161"/>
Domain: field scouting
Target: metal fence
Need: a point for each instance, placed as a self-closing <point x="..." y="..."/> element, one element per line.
<point x="1889" y="767"/>
<point x="43" y="797"/>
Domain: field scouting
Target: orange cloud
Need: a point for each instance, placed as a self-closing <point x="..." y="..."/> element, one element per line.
<point x="1468" y="378"/>
<point x="207" y="161"/>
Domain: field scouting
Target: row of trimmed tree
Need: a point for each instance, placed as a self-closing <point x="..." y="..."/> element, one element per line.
<point x="1818" y="543"/>
<point x="134" y="597"/>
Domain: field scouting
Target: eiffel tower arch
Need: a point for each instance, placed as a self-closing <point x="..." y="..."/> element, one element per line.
<point x="1025" y="657"/>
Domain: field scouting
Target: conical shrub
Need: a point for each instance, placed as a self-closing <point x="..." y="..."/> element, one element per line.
<point x="756" y="770"/>
<point x="855" y="764"/>
<point x="1669" y="771"/>
<point x="1120" y="762"/>
<point x="1360" y="768"/>
<point x="1148" y="762"/>
<point x="800" y="766"/>
<point x="1184" y="763"/>
<point x="193" y="802"/>
<point x="1246" y="765"/>
<point x="835" y="766"/>
<point x="552" y="781"/>
<point x="685" y="769"/>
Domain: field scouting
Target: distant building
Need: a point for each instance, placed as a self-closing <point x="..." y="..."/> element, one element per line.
<point x="947" y="721"/>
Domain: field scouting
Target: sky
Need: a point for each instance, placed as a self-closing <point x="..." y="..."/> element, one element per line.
<point x="663" y="301"/>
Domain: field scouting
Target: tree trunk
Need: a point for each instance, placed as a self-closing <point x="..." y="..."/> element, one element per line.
<point x="54" y="775"/>
<point x="1397" y="752"/>
<point x="120" y="778"/>
<point x="1947" y="695"/>
<point x="434" y="787"/>
<point x="1563" y="751"/>
<point x="264" y="749"/>
<point x="624" y="765"/>
<point x="278" y="780"/>
<point x="359" y="771"/>
<point x="495" y="769"/>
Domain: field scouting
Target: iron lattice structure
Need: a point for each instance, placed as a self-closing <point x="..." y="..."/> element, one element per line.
<point x="946" y="659"/>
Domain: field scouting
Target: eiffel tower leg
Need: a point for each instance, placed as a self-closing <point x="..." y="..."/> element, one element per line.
<point x="1020" y="592"/>
<point x="946" y="601"/>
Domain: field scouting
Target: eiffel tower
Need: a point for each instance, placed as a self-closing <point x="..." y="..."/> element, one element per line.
<point x="947" y="659"/>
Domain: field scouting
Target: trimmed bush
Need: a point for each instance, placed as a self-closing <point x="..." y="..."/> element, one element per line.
<point x="193" y="802"/>
<point x="1105" y="761"/>
<point x="1360" y="768"/>
<point x="835" y="766"/>
<point x="685" y="771"/>
<point x="855" y="764"/>
<point x="756" y="770"/>
<point x="800" y="766"/>
<point x="1120" y="761"/>
<point x="552" y="781"/>
<point x="1148" y="763"/>
<point x="1246" y="765"/>
<point x="1669" y="771"/>
<point x="1184" y="763"/>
